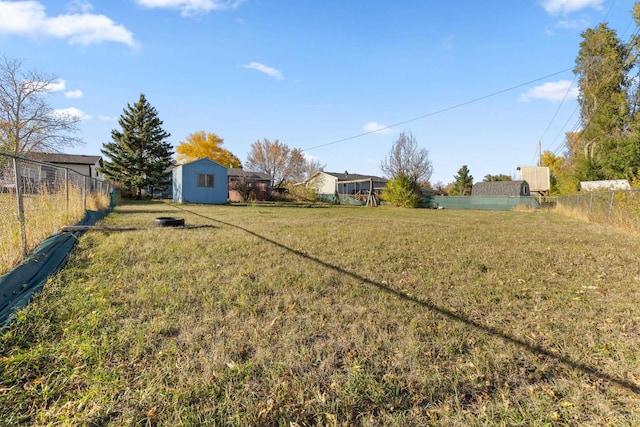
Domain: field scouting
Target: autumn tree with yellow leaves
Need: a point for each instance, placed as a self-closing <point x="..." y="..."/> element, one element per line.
<point x="199" y="145"/>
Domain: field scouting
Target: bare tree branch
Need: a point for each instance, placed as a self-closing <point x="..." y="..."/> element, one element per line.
<point x="407" y="159"/>
<point x="27" y="121"/>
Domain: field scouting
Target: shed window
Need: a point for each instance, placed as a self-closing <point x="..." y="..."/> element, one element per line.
<point x="205" y="180"/>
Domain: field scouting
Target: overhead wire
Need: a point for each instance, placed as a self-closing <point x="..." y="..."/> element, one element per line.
<point x="578" y="123"/>
<point x="453" y="107"/>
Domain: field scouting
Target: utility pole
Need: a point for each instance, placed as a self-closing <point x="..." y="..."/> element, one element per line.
<point x="539" y="153"/>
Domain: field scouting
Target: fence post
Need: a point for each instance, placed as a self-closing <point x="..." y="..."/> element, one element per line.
<point x="84" y="193"/>
<point x="20" y="203"/>
<point x="613" y="193"/>
<point x="66" y="190"/>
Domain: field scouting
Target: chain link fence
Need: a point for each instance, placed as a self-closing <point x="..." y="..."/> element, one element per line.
<point x="36" y="199"/>
<point x="620" y="208"/>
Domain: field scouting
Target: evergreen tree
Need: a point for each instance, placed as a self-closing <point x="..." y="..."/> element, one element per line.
<point x="139" y="153"/>
<point x="463" y="183"/>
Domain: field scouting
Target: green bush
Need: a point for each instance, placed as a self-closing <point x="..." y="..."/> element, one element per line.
<point x="400" y="192"/>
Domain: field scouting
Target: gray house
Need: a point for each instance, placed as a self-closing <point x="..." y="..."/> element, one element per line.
<point x="201" y="181"/>
<point x="501" y="188"/>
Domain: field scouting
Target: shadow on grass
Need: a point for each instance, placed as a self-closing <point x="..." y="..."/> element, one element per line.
<point x="458" y="317"/>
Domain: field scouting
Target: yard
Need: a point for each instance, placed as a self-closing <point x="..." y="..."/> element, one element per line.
<point x="294" y="316"/>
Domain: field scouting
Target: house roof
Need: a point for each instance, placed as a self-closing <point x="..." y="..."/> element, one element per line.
<point x="241" y="173"/>
<point x="346" y="176"/>
<point x="200" y="160"/>
<point x="67" y="159"/>
<point x="497" y="188"/>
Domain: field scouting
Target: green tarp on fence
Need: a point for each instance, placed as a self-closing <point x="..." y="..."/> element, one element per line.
<point x="493" y="203"/>
<point x="18" y="286"/>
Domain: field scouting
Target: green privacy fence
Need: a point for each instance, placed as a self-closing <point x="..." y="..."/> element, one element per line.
<point x="493" y="203"/>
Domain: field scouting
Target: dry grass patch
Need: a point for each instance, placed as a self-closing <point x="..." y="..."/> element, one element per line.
<point x="44" y="212"/>
<point x="332" y="316"/>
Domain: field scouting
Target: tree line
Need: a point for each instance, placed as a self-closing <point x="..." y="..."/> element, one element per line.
<point x="608" y="144"/>
<point x="139" y="155"/>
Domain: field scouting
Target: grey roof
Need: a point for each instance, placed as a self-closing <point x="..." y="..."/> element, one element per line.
<point x="238" y="172"/>
<point x="66" y="159"/>
<point x="346" y="176"/>
<point x="498" y="188"/>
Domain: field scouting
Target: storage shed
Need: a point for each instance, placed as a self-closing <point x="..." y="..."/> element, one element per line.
<point x="201" y="181"/>
<point x="501" y="188"/>
<point x="538" y="178"/>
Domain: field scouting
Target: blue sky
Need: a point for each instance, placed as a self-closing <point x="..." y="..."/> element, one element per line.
<point x="477" y="83"/>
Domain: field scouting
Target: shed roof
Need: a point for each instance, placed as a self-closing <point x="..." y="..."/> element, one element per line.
<point x="498" y="188"/>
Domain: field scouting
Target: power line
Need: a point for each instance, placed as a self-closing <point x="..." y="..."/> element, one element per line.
<point x="453" y="107"/>
<point x="559" y="107"/>
<point x="576" y="126"/>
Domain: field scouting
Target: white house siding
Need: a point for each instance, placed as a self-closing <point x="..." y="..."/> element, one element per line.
<point x="324" y="183"/>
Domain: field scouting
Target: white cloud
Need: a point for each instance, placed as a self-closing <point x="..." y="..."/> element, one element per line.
<point x="192" y="7"/>
<point x="573" y="24"/>
<point x="73" y="94"/>
<point x="556" y="7"/>
<point x="72" y="112"/>
<point x="376" y="127"/>
<point x="552" y="91"/>
<point x="272" y="72"/>
<point x="28" y="18"/>
<point x="57" y="86"/>
<point x="107" y="118"/>
<point x="82" y="6"/>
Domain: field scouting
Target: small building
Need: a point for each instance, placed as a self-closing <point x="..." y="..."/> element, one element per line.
<point x="257" y="183"/>
<point x="538" y="177"/>
<point x="201" y="181"/>
<point x="501" y="188"/>
<point x="606" y="185"/>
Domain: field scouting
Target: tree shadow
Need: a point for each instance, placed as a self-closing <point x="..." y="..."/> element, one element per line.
<point x="455" y="316"/>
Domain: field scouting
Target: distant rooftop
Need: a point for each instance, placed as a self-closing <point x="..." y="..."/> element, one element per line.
<point x="60" y="158"/>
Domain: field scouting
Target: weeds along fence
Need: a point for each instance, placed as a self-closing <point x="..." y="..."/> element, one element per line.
<point x="36" y="199"/>
<point x="619" y="208"/>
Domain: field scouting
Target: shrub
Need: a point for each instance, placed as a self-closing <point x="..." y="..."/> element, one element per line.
<point x="400" y="192"/>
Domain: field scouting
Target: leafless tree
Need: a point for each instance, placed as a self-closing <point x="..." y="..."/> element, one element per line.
<point x="281" y="163"/>
<point x="406" y="158"/>
<point x="27" y="121"/>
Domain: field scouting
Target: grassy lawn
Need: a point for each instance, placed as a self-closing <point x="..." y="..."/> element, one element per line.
<point x="332" y="316"/>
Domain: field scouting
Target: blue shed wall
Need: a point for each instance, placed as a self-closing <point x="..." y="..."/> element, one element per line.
<point x="185" y="183"/>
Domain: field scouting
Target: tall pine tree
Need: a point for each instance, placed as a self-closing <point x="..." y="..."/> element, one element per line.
<point x="139" y="153"/>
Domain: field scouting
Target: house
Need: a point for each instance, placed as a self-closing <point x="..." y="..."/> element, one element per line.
<point x="80" y="163"/>
<point x="239" y="180"/>
<point x="329" y="183"/>
<point x="201" y="181"/>
<point x="501" y="188"/>
<point x="607" y="185"/>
